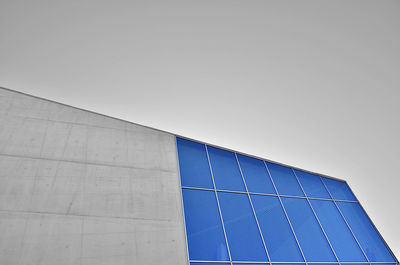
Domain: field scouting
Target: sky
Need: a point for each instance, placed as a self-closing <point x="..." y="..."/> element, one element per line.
<point x="312" y="84"/>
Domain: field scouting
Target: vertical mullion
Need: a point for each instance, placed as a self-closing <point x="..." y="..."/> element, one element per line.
<point x="252" y="208"/>
<point x="284" y="210"/>
<point x="219" y="207"/>
<point x="341" y="214"/>
<point x="316" y="217"/>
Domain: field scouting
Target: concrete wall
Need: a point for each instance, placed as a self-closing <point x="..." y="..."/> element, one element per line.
<point x="81" y="188"/>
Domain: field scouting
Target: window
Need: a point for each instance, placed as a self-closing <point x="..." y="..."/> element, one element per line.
<point x="243" y="210"/>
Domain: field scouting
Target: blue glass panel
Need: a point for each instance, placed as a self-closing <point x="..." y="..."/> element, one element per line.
<point x="253" y="264"/>
<point x="338" y="233"/>
<point x="337" y="264"/>
<point x="206" y="240"/>
<point x="275" y="228"/>
<point x="339" y="190"/>
<point x="241" y="229"/>
<point x="364" y="231"/>
<point x="354" y="264"/>
<point x="225" y="169"/>
<point x="312" y="185"/>
<point x="378" y="264"/>
<point x="293" y="264"/>
<point x="255" y="175"/>
<point x="284" y="180"/>
<point x="209" y="263"/>
<point x="311" y="238"/>
<point x="193" y="164"/>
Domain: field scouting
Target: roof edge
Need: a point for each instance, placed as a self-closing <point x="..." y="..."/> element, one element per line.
<point x="176" y="135"/>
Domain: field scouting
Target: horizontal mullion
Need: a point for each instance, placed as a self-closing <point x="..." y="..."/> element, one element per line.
<point x="194" y="188"/>
<point x="348" y="201"/>
<point x="265" y="194"/>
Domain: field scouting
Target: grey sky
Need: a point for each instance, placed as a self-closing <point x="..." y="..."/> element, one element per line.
<point x="313" y="84"/>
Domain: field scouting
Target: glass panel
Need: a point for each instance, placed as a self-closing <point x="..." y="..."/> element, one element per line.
<point x="338" y="233"/>
<point x="208" y="263"/>
<point x="364" y="231"/>
<point x="241" y="229"/>
<point x="293" y="264"/>
<point x="335" y="264"/>
<point x="255" y="175"/>
<point x="284" y="180"/>
<point x="193" y="164"/>
<point x="311" y="238"/>
<point x="275" y="228"/>
<point x="206" y="240"/>
<point x="339" y="190"/>
<point x="312" y="185"/>
<point x="360" y="264"/>
<point x="379" y="264"/>
<point x="225" y="170"/>
<point x="251" y="263"/>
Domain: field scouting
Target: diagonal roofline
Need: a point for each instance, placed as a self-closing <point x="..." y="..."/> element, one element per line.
<point x="176" y="135"/>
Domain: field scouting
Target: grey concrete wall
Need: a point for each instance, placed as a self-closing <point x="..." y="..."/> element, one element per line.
<point x="81" y="188"/>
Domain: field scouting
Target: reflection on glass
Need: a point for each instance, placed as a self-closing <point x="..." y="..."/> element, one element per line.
<point x="338" y="233"/>
<point x="275" y="228"/>
<point x="366" y="234"/>
<point x="193" y="164"/>
<point x="311" y="238"/>
<point x="205" y="236"/>
<point x="255" y="175"/>
<point x="312" y="185"/>
<point x="244" y="239"/>
<point x="284" y="179"/>
<point x="339" y="190"/>
<point x="225" y="170"/>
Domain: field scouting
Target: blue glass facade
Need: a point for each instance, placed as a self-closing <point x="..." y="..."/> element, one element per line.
<point x="243" y="210"/>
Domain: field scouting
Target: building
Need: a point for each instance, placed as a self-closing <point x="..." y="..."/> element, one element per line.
<point x="78" y="187"/>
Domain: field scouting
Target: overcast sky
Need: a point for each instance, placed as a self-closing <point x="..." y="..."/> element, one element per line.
<point x="313" y="84"/>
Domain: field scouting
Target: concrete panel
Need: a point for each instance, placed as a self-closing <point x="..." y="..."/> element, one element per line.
<point x="16" y="182"/>
<point x="130" y="193"/>
<point x="20" y="105"/>
<point x="155" y="151"/>
<point x="131" y="242"/>
<point x="40" y="239"/>
<point x="65" y="141"/>
<point x="81" y="188"/>
<point x="22" y="136"/>
<point x="113" y="148"/>
<point x="48" y="239"/>
<point x="12" y="231"/>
